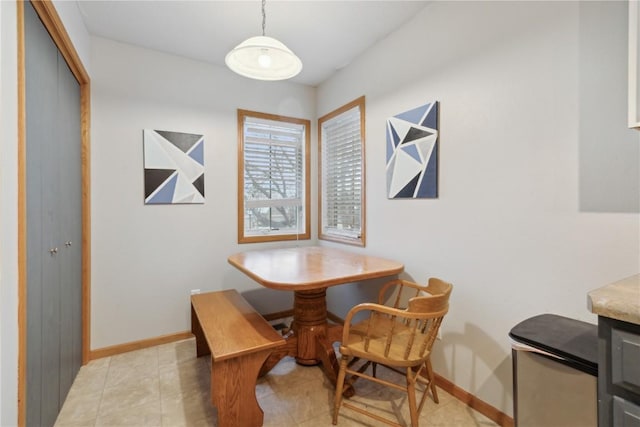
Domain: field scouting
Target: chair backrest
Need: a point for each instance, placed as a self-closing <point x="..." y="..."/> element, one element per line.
<point x="436" y="298"/>
<point x="437" y="286"/>
<point x="398" y="293"/>
<point x="409" y="334"/>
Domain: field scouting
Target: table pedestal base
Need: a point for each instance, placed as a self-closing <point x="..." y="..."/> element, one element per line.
<point x="311" y="338"/>
<point x="309" y="322"/>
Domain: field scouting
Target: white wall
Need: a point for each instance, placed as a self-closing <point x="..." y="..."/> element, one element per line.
<point x="506" y="229"/>
<point x="146" y="259"/>
<point x="8" y="216"/>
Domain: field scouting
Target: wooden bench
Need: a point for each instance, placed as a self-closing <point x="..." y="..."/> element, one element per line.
<point x="239" y="340"/>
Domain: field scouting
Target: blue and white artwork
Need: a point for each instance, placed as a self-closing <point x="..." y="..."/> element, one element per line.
<point x="173" y="167"/>
<point x="412" y="153"/>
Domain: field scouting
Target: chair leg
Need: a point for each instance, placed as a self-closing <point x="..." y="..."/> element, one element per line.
<point x="411" y="394"/>
<point x="432" y="383"/>
<point x="339" y="386"/>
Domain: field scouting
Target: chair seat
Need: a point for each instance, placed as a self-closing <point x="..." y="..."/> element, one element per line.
<point x="377" y="328"/>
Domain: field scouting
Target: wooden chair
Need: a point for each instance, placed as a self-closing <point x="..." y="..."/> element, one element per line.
<point x="399" y="334"/>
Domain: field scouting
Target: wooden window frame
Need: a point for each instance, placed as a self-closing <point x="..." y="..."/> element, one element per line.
<point x="306" y="235"/>
<point x="361" y="240"/>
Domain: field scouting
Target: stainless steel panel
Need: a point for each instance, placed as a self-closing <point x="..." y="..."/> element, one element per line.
<point x="548" y="393"/>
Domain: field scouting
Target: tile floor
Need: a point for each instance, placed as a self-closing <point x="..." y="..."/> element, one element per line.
<point x="168" y="386"/>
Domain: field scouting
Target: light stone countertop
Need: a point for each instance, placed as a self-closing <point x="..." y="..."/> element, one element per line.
<point x="619" y="300"/>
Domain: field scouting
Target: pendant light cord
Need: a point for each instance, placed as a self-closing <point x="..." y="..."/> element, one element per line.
<point x="264" y="16"/>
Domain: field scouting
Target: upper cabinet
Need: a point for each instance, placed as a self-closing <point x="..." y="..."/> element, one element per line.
<point x="634" y="44"/>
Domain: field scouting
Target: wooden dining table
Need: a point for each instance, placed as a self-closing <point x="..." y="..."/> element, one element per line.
<point x="308" y="272"/>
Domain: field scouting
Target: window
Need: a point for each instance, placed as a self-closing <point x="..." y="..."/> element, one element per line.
<point x="341" y="199"/>
<point x="273" y="177"/>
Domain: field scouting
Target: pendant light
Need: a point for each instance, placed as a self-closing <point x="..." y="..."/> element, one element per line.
<point x="263" y="58"/>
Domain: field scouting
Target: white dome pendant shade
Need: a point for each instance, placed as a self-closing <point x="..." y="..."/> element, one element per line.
<point x="263" y="58"/>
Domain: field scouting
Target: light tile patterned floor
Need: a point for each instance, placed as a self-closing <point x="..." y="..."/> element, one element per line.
<point x="168" y="386"/>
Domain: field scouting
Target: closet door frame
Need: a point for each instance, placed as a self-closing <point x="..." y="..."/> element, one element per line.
<point x="52" y="22"/>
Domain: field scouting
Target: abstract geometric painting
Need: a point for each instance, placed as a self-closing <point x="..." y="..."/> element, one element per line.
<point x="173" y="167"/>
<point x="412" y="153"/>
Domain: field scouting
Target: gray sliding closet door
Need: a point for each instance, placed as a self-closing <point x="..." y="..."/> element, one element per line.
<point x="70" y="203"/>
<point x="54" y="225"/>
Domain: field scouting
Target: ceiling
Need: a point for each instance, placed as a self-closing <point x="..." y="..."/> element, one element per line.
<point x="326" y="35"/>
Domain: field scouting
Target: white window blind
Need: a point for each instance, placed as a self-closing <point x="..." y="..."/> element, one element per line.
<point x="342" y="180"/>
<point x="273" y="177"/>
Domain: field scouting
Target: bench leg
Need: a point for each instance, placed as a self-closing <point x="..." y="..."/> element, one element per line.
<point x="202" y="347"/>
<point x="233" y="390"/>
